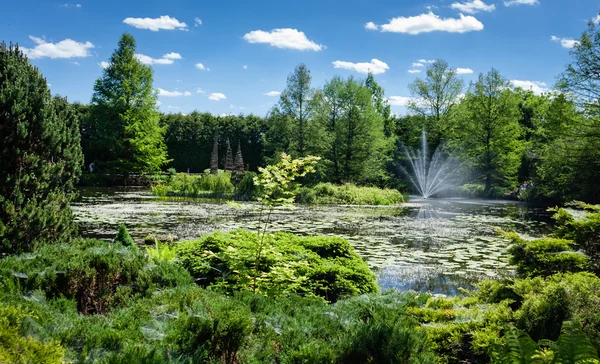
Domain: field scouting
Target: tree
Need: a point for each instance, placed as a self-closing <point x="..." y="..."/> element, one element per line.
<point x="381" y="104"/>
<point x="41" y="158"/>
<point x="214" y="157"/>
<point x="296" y="108"/>
<point x="357" y="148"/>
<point x="436" y="96"/>
<point x="128" y="135"/>
<point x="488" y="131"/>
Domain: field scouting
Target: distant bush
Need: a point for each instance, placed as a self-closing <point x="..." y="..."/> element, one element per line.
<point x="546" y="256"/>
<point x="204" y="185"/>
<point x="328" y="193"/>
<point x="326" y="267"/>
<point x="97" y="275"/>
<point x="123" y="236"/>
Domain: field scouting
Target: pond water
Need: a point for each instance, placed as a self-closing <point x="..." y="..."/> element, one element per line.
<point x="424" y="245"/>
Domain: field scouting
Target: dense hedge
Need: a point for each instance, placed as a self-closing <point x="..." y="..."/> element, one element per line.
<point x="326" y="267"/>
<point x="328" y="193"/>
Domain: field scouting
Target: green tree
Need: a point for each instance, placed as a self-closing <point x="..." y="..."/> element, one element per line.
<point x="41" y="158"/>
<point x="128" y="136"/>
<point x="488" y="131"/>
<point x="381" y="104"/>
<point x="435" y="97"/>
<point x="295" y="110"/>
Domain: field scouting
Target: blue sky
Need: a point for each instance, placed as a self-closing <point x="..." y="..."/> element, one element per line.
<point x="248" y="48"/>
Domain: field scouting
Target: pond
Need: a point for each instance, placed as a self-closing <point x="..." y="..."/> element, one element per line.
<point x="424" y="245"/>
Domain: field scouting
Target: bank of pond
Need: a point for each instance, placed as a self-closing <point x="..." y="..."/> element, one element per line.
<point x="251" y="297"/>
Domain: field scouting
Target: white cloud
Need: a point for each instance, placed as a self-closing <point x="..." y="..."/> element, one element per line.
<point x="375" y="66"/>
<point x="200" y="91"/>
<point x="284" y="38"/>
<point x="400" y="100"/>
<point x="197" y="21"/>
<point x="520" y="2"/>
<point x="75" y="63"/>
<point x="473" y="7"/>
<point x="430" y="22"/>
<point x="463" y="71"/>
<point x="245" y="67"/>
<point x="69" y="5"/>
<point x="414" y="71"/>
<point x="175" y="93"/>
<point x="201" y="67"/>
<point x="104" y="64"/>
<point x="565" y="42"/>
<point x="596" y="19"/>
<point x="164" y="22"/>
<point x="426" y="60"/>
<point x="168" y="58"/>
<point x="67" y="48"/>
<point x="216" y="96"/>
<point x="418" y="64"/>
<point x="371" y="26"/>
<point x="536" y="86"/>
<point x="272" y="93"/>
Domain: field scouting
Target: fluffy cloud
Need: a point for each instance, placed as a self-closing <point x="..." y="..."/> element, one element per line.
<point x="69" y="5"/>
<point x="596" y="19"/>
<point x="520" y="2"/>
<point x="201" y="67"/>
<point x="284" y="38"/>
<point x="418" y="64"/>
<point x="463" y="71"/>
<point x="400" y="100"/>
<point x="375" y="66"/>
<point x="164" y="22"/>
<point x="565" y="42"/>
<point x="473" y="7"/>
<point x="537" y="87"/>
<point x="426" y="60"/>
<point x="414" y="71"/>
<point x="371" y="26"/>
<point x="272" y="93"/>
<point x="67" y="48"/>
<point x="197" y="21"/>
<point x="168" y="58"/>
<point x="430" y="22"/>
<point x="166" y="93"/>
<point x="200" y="91"/>
<point x="216" y="96"/>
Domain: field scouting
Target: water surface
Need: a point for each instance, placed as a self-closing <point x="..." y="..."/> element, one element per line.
<point x="426" y="245"/>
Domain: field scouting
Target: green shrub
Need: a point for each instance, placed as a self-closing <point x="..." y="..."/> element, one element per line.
<point x="326" y="267"/>
<point x="96" y="274"/>
<point x="546" y="256"/>
<point x="328" y="193"/>
<point x="204" y="185"/>
<point x="473" y="190"/>
<point x="123" y="236"/>
<point x="18" y="348"/>
<point x="246" y="189"/>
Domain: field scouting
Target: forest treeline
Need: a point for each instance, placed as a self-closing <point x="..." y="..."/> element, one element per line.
<point x="502" y="136"/>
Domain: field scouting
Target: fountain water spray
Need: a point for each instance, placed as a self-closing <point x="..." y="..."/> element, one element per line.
<point x="429" y="176"/>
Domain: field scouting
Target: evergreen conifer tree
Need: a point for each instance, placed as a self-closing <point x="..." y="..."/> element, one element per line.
<point x="40" y="158"/>
<point x="128" y="135"/>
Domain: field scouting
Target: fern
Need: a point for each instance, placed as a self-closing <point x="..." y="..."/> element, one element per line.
<point x="574" y="347"/>
<point x="519" y="348"/>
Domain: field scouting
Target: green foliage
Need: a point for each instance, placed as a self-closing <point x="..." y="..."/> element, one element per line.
<point x="582" y="227"/>
<point x="18" y="348"/>
<point x="328" y="193"/>
<point x="123" y="236"/>
<point x="161" y="252"/>
<point x="546" y="256"/>
<point x="127" y="136"/>
<point x="204" y="185"/>
<point x="326" y="267"/>
<point x="96" y="275"/>
<point x="41" y="157"/>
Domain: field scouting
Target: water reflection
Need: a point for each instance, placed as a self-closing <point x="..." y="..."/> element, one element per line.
<point x="425" y="245"/>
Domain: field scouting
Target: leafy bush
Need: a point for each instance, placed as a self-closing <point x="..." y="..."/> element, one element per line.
<point x="246" y="189"/>
<point x="96" y="274"/>
<point x="326" y="267"/>
<point x="583" y="227"/>
<point x="18" y="348"/>
<point x="328" y="193"/>
<point x="204" y="185"/>
<point x="123" y="237"/>
<point x="546" y="256"/>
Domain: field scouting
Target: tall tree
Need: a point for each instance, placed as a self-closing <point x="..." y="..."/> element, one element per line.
<point x="489" y="131"/>
<point x="128" y="137"/>
<point x="436" y="96"/>
<point x="381" y="104"/>
<point x="296" y="107"/>
<point x="41" y="158"/>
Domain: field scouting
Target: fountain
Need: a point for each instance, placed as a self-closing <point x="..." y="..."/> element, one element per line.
<point x="429" y="176"/>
